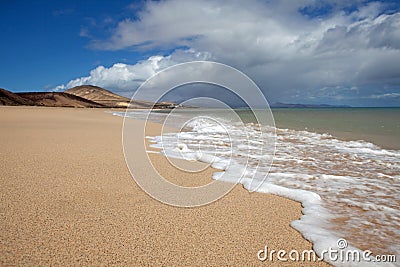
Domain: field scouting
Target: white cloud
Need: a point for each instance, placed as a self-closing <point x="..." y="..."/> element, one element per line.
<point x="388" y="95"/>
<point x="124" y="77"/>
<point x="285" y="50"/>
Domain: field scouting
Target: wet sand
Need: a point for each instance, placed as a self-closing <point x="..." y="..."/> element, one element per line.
<point x="67" y="198"/>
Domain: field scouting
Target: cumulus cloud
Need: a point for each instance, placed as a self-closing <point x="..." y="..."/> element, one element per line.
<point x="126" y="78"/>
<point x="291" y="49"/>
<point x="389" y="95"/>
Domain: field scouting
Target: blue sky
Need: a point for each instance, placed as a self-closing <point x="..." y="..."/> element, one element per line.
<point x="42" y="43"/>
<point x="296" y="51"/>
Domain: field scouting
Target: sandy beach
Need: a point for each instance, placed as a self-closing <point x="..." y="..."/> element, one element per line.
<point x="67" y="198"/>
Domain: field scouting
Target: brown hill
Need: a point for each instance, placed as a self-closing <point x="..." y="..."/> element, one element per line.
<point x="10" y="99"/>
<point x="55" y="99"/>
<point x="106" y="98"/>
<point x="80" y="96"/>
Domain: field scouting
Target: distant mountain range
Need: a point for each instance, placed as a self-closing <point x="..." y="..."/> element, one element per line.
<point x="86" y="96"/>
<point x="284" y="105"/>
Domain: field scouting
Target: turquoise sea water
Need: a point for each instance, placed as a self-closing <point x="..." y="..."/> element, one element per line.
<point x="380" y="126"/>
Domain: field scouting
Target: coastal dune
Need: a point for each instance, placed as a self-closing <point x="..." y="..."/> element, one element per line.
<point x="67" y="198"/>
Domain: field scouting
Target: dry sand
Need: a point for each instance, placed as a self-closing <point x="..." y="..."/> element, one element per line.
<point x="67" y="198"/>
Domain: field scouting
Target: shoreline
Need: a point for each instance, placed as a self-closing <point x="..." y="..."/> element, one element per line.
<point x="333" y="237"/>
<point x="66" y="184"/>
